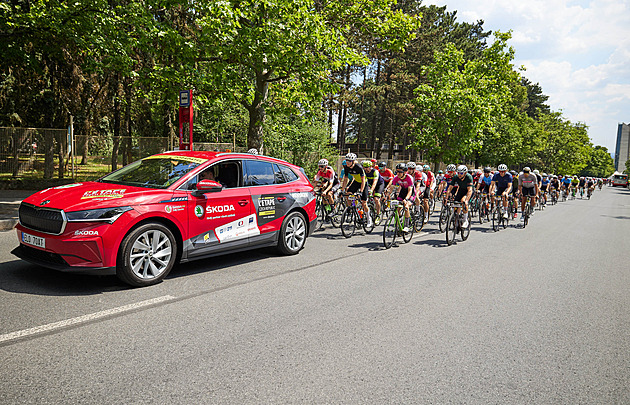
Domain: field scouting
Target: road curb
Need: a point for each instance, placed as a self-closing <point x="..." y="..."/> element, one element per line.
<point x="7" y="224"/>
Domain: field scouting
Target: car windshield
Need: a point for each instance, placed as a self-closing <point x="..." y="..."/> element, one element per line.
<point x="159" y="171"/>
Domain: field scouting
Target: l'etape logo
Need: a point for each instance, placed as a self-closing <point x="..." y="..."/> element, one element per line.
<point x="199" y="211"/>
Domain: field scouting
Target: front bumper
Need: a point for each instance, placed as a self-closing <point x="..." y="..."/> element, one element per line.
<point x="57" y="261"/>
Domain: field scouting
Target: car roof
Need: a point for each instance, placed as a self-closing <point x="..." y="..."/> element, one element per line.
<point x="212" y="155"/>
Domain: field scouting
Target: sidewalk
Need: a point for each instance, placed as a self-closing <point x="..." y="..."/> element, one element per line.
<point x="9" y="204"/>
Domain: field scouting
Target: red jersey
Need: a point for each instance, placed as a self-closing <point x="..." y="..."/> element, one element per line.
<point x="386" y="174"/>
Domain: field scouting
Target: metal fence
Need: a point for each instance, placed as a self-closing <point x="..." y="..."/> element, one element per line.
<point x="41" y="153"/>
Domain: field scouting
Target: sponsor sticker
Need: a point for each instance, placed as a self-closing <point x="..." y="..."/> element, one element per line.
<point x="206" y="238"/>
<point x="85" y="233"/>
<point x="177" y="157"/>
<point x="199" y="211"/>
<point x="267" y="206"/>
<point x="67" y="186"/>
<point x="174" y="208"/>
<point x="104" y="194"/>
<point x="238" y="229"/>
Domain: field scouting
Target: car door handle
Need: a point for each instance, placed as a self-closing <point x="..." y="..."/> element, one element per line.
<point x="281" y="199"/>
<point x="243" y="203"/>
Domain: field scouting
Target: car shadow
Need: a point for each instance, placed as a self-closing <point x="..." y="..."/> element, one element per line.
<point x="373" y="246"/>
<point x="22" y="277"/>
<point x="221" y="262"/>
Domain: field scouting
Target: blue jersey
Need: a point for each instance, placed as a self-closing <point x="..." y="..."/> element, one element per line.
<point x="567" y="180"/>
<point x="545" y="182"/>
<point x="502" y="181"/>
<point x="485" y="179"/>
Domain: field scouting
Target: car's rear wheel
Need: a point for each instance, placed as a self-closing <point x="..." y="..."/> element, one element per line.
<point x="147" y="254"/>
<point x="292" y="234"/>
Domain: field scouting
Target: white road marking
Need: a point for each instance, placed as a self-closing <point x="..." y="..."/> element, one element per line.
<point x="82" y="319"/>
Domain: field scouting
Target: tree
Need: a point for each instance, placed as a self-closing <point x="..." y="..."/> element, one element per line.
<point x="600" y="164"/>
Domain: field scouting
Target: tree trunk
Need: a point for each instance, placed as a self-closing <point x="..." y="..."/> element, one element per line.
<point x="127" y="132"/>
<point x="116" y="92"/>
<point x="256" y="111"/>
<point x="374" y="117"/>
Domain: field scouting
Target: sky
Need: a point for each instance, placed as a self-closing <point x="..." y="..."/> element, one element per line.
<point x="578" y="51"/>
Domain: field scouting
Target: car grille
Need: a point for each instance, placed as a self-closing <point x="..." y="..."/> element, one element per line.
<point x="47" y="220"/>
<point x="42" y="256"/>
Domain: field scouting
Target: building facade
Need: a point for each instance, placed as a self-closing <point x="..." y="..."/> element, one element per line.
<point x="622" y="149"/>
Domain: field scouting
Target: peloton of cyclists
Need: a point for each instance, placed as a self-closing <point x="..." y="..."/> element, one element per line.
<point x="502" y="184"/>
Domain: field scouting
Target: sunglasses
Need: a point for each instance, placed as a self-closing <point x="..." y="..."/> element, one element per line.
<point x="322" y="166"/>
<point x="400" y="171"/>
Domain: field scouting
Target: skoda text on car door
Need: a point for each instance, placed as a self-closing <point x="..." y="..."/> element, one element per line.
<point x="140" y="220"/>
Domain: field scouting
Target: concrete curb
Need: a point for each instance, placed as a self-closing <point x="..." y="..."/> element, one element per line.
<point x="8" y="224"/>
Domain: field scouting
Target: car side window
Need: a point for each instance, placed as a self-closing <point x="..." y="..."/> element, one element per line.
<point x="229" y="174"/>
<point x="278" y="175"/>
<point x="289" y="174"/>
<point x="259" y="173"/>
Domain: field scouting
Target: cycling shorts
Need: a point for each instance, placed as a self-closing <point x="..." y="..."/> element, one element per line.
<point x="355" y="187"/>
<point x="461" y="192"/>
<point x="500" y="191"/>
<point x="427" y="193"/>
<point x="378" y="191"/>
<point x="529" y="191"/>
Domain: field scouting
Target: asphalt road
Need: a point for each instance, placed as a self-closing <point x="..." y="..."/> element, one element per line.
<point x="522" y="316"/>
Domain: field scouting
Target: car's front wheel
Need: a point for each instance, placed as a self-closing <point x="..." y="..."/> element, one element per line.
<point x="292" y="234"/>
<point x="147" y="254"/>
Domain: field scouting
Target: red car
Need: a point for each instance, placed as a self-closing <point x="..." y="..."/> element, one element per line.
<point x="137" y="222"/>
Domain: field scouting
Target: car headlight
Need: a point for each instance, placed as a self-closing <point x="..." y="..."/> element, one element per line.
<point x="104" y="214"/>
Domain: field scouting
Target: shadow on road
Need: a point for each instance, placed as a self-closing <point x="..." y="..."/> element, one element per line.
<point x="22" y="277"/>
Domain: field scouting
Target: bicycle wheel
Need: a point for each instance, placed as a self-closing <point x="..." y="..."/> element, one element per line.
<point x="495" y="219"/>
<point x="503" y="221"/>
<point x="348" y="222"/>
<point x="443" y="218"/>
<point x="337" y="212"/>
<point x="431" y="205"/>
<point x="482" y="212"/>
<point x="418" y="218"/>
<point x="390" y="230"/>
<point x="321" y="216"/>
<point x="526" y="215"/>
<point x="451" y="228"/>
<point x="409" y="224"/>
<point x="465" y="232"/>
<point x="368" y="223"/>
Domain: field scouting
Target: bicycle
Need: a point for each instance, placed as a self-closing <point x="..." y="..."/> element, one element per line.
<point x="395" y="225"/>
<point x="323" y="215"/>
<point x="485" y="208"/>
<point x="353" y="217"/>
<point x="455" y="222"/>
<point x="444" y="214"/>
<point x="527" y="211"/>
<point x="498" y="219"/>
<point x="554" y="197"/>
<point x="417" y="214"/>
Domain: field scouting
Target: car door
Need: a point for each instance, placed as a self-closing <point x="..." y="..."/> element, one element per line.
<point x="272" y="198"/>
<point x="221" y="221"/>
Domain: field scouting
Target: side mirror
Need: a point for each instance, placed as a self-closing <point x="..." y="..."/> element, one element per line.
<point x="207" y="186"/>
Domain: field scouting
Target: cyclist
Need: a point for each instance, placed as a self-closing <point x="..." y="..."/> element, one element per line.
<point x="528" y="188"/>
<point x="575" y="183"/>
<point x="515" y="195"/>
<point x="566" y="184"/>
<point x="581" y="186"/>
<point x="376" y="184"/>
<point x="544" y="188"/>
<point x="430" y="179"/>
<point x="354" y="171"/>
<point x="600" y="182"/>
<point x="329" y="182"/>
<point x="406" y="194"/>
<point x="463" y="182"/>
<point x="502" y="183"/>
<point x="484" y="181"/>
<point x="590" y="186"/>
<point x="385" y="173"/>
<point x="555" y="186"/>
<point x="419" y="178"/>
<point x="446" y="179"/>
<point x="438" y="178"/>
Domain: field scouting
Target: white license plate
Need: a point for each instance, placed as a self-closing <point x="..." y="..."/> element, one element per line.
<point x="34" y="240"/>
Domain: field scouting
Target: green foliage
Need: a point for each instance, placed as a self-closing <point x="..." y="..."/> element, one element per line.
<point x="600" y="164"/>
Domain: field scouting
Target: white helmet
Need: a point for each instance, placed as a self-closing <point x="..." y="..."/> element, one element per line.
<point x="323" y="162"/>
<point x="536" y="171"/>
<point x="502" y="167"/>
<point x="411" y="165"/>
<point x="351" y="156"/>
<point x="461" y="169"/>
<point x="451" y="168"/>
<point x="253" y="151"/>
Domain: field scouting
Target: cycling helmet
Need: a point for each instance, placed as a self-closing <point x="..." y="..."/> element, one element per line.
<point x="451" y="168"/>
<point x="536" y="171"/>
<point x="366" y="163"/>
<point x="344" y="162"/>
<point x="513" y="172"/>
<point x="440" y="172"/>
<point x="419" y="168"/>
<point x="461" y="169"/>
<point x="322" y="162"/>
<point x="487" y="170"/>
<point x="382" y="164"/>
<point x="479" y="171"/>
<point x="526" y="169"/>
<point x="411" y="165"/>
<point x="351" y="156"/>
<point x="253" y="151"/>
<point x="544" y="174"/>
<point x="401" y="166"/>
<point x="426" y="168"/>
<point x="502" y="168"/>
<point x="581" y="178"/>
